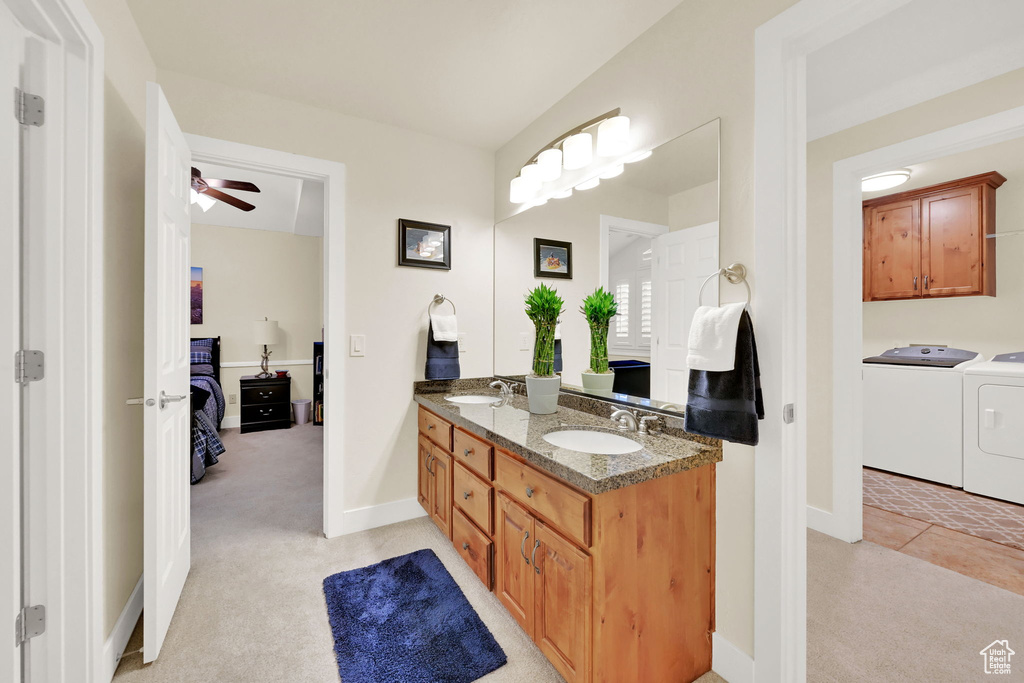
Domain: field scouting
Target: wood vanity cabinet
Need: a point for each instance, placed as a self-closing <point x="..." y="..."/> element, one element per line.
<point x="434" y="484"/>
<point x="932" y="242"/>
<point x="612" y="587"/>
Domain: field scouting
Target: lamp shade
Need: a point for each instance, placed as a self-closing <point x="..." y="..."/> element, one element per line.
<point x="577" y="151"/>
<point x="613" y="136"/>
<point x="550" y="163"/>
<point x="266" y="332"/>
<point x="521" y="190"/>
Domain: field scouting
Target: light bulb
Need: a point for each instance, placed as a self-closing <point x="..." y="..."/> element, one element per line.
<point x="613" y="136"/>
<point x="577" y="151"/>
<point x="550" y="163"/>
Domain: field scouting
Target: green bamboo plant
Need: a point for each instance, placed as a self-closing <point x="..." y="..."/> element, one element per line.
<point x="599" y="308"/>
<point x="543" y="306"/>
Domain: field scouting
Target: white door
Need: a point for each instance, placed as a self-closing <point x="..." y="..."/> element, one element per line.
<point x="11" y="52"/>
<point x="682" y="260"/>
<point x="167" y="421"/>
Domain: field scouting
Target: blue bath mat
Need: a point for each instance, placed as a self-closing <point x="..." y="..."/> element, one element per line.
<point x="404" y="620"/>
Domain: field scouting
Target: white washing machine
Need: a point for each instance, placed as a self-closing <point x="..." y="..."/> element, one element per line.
<point x="994" y="428"/>
<point x="913" y="412"/>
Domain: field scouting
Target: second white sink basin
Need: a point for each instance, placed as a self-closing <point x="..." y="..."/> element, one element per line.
<point x="597" y="443"/>
<point x="473" y="399"/>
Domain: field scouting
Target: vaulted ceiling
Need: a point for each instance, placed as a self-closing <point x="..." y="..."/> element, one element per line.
<point x="475" y="71"/>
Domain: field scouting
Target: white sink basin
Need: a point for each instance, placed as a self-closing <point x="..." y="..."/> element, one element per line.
<point x="597" y="443"/>
<point x="473" y="399"/>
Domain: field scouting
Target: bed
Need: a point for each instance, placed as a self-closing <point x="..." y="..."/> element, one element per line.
<point x="207" y="404"/>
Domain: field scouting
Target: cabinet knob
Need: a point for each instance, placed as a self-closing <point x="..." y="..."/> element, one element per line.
<point x="529" y="492"/>
<point x="465" y="546"/>
<point x="467" y="451"/>
<point x="429" y="427"/>
<point x="466" y="495"/>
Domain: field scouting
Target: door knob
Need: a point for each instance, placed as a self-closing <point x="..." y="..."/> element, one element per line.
<point x="166" y="398"/>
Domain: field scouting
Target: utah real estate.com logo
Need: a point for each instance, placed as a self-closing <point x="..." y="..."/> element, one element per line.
<point x="997" y="657"/>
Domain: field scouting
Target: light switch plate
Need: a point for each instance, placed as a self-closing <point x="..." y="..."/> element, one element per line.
<point x="232" y="398"/>
<point x="357" y="345"/>
<point x="462" y="342"/>
<point x="524" y="341"/>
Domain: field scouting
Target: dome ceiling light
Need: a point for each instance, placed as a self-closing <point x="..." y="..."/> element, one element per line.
<point x="884" y="181"/>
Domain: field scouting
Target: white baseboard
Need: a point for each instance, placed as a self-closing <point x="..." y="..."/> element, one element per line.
<point x="730" y="662"/>
<point x="231" y="422"/>
<point x="374" y="516"/>
<point x="830" y="523"/>
<point x="114" y="646"/>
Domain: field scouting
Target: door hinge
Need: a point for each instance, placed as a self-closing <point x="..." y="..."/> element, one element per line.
<point x="29" y="109"/>
<point x="28" y="366"/>
<point x="31" y="622"/>
<point x="788" y="413"/>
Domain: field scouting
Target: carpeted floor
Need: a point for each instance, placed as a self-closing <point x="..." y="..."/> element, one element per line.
<point x="253" y="606"/>
<point x="874" y="614"/>
<point x="947" y="507"/>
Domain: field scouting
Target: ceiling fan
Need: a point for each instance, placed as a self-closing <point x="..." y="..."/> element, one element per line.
<point x="204" y="191"/>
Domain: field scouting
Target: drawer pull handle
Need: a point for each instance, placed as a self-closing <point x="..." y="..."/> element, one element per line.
<point x="466" y="452"/>
<point x="465" y="546"/>
<point x="466" y="495"/>
<point x="269" y="393"/>
<point x="268" y="411"/>
<point x="536" y="544"/>
<point x="429" y="427"/>
<point x="522" y="546"/>
<point x="529" y="492"/>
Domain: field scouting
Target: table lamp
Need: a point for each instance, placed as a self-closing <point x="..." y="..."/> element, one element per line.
<point x="267" y="333"/>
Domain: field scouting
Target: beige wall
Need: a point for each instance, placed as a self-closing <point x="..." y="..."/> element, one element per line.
<point x="989" y="97"/>
<point x="696" y="64"/>
<point x="391" y="173"/>
<point x="128" y="66"/>
<point x="693" y="207"/>
<point x="252" y="274"/>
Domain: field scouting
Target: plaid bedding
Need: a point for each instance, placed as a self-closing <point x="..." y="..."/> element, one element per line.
<point x="206" y="443"/>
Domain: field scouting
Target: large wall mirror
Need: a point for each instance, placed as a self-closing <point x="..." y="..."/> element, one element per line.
<point x="649" y="236"/>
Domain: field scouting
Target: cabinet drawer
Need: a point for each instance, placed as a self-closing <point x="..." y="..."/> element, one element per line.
<point x="264" y="395"/>
<point x="565" y="508"/>
<point x="266" y="413"/>
<point x="474" y="454"/>
<point x="473" y="545"/>
<point x="475" y="497"/>
<point x="437" y="430"/>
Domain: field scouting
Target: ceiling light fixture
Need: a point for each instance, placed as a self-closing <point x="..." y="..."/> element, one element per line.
<point x="202" y="200"/>
<point x="550" y="163"/>
<point x="562" y="195"/>
<point x="613" y="137"/>
<point x="884" y="181"/>
<point x="613" y="172"/>
<point x="639" y="157"/>
<point x="589" y="184"/>
<point x="577" y="151"/>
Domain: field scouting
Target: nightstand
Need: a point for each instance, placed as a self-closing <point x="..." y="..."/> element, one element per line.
<point x="266" y="403"/>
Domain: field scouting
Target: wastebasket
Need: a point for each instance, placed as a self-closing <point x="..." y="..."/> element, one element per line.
<point x="300" y="407"/>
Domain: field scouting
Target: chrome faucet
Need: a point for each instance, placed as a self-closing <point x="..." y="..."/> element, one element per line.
<point x="626" y="419"/>
<point x="503" y="388"/>
<point x="649" y="425"/>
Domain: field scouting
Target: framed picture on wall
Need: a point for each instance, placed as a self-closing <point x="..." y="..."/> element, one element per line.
<point x="196" y="296"/>
<point x="424" y="245"/>
<point x="552" y="258"/>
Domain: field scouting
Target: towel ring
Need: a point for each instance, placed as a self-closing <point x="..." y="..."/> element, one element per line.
<point x="736" y="273"/>
<point x="438" y="300"/>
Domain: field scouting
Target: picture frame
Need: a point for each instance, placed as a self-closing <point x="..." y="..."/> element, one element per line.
<point x="552" y="258"/>
<point x="424" y="245"/>
<point x="196" y="297"/>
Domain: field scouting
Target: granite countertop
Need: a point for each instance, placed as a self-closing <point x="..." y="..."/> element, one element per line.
<point x="512" y="427"/>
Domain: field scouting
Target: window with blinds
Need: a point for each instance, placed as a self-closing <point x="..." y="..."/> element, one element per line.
<point x="645" y="311"/>
<point x="622" y="319"/>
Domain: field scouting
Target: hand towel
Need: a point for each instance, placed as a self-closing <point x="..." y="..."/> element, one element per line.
<point x="558" y="348"/>
<point x="446" y="327"/>
<point x="712" y="343"/>
<point x="727" y="405"/>
<point x="442" y="357"/>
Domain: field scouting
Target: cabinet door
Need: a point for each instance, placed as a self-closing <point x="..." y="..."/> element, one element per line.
<point x="892" y="251"/>
<point x="441" y="493"/>
<point x="423" y="478"/>
<point x="952" y="237"/>
<point x="514" y="584"/>
<point x="562" y="603"/>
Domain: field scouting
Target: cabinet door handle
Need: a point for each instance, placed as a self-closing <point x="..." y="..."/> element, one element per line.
<point x="429" y="468"/>
<point x="426" y="462"/>
<point x="536" y="544"/>
<point x="522" y="546"/>
<point x="466" y="495"/>
<point x="465" y="546"/>
<point x="529" y="492"/>
<point x="926" y="282"/>
<point x="915" y="283"/>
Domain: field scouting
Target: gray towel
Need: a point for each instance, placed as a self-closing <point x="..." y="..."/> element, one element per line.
<point x="727" y="405"/>
<point x="442" y="358"/>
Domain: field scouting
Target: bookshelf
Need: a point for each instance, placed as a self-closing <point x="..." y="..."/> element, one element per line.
<point x="318" y="383"/>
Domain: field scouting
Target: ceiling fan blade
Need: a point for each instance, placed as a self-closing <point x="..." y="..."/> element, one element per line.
<point x="228" y="199"/>
<point x="232" y="185"/>
<point x="196" y="173"/>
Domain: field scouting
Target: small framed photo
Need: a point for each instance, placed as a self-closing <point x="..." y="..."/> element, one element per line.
<point x="552" y="258"/>
<point x="424" y="245"/>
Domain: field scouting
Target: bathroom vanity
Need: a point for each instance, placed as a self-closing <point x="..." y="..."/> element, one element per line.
<point x="606" y="561"/>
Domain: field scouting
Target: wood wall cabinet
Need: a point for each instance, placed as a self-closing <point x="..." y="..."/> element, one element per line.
<point x="611" y="587"/>
<point x="933" y="241"/>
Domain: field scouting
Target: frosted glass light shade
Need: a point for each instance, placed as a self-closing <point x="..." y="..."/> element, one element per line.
<point x="884" y="181"/>
<point x="266" y="332"/>
<point x="521" y="190"/>
<point x="562" y="195"/>
<point x="550" y="164"/>
<point x="613" y="172"/>
<point x="577" y="151"/>
<point x="613" y="136"/>
<point x="639" y="156"/>
<point x="202" y="200"/>
<point x="589" y="184"/>
<point x="532" y="174"/>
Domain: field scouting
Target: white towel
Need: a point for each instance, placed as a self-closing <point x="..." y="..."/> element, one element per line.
<point x="446" y="327"/>
<point x="712" y="345"/>
<point x="558" y="330"/>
